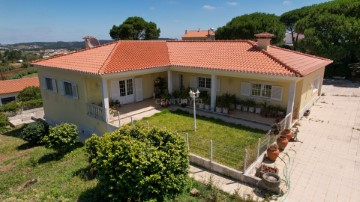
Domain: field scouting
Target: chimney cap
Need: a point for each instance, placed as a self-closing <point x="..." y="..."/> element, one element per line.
<point x="264" y="35"/>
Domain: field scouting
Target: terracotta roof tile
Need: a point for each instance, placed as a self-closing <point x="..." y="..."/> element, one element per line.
<point x="198" y="33"/>
<point x="17" y="85"/>
<point x="240" y="56"/>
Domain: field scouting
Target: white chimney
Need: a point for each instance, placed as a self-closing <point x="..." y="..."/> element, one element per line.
<point x="90" y="42"/>
<point x="263" y="40"/>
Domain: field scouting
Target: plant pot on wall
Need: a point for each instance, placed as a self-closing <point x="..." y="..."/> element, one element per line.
<point x="287" y="133"/>
<point x="218" y="109"/>
<point x="282" y="141"/>
<point x="272" y="152"/>
<point x="225" y="110"/>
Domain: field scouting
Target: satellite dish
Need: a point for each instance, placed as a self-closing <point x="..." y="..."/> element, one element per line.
<point x="91" y="42"/>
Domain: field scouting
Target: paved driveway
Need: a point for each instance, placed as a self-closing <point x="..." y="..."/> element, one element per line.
<point x="326" y="165"/>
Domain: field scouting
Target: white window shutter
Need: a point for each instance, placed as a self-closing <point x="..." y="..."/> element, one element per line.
<point x="276" y="92"/>
<point x="218" y="85"/>
<point x="62" y="89"/>
<point x="245" y="88"/>
<point x="75" y="91"/>
<point x="43" y="82"/>
<point x="54" y="85"/>
<point x="193" y="82"/>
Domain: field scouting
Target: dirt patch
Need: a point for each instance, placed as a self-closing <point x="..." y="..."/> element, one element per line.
<point x="6" y="168"/>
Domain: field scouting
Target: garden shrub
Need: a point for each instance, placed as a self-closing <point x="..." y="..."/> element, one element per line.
<point x="139" y="164"/>
<point x="3" y="122"/>
<point x="10" y="107"/>
<point x="34" y="132"/>
<point x="29" y="93"/>
<point x="31" y="104"/>
<point x="62" y="138"/>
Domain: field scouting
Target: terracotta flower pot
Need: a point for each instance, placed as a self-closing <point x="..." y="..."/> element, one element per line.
<point x="282" y="141"/>
<point x="272" y="153"/>
<point x="287" y="133"/>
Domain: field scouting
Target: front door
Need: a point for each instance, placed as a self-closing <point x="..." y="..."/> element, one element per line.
<point x="126" y="88"/>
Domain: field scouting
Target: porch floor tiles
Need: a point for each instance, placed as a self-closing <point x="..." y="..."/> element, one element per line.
<point x="251" y="120"/>
<point x="137" y="111"/>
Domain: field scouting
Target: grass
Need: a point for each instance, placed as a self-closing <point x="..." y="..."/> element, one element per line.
<point x="63" y="179"/>
<point x="229" y="140"/>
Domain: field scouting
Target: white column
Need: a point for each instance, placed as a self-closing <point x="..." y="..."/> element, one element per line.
<point x="213" y="92"/>
<point x="105" y="99"/>
<point x="290" y="105"/>
<point x="170" y="81"/>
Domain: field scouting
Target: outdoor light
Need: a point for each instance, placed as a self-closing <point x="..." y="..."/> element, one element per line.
<point x="194" y="95"/>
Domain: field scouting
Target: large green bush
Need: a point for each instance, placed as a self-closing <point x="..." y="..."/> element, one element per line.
<point x="29" y="93"/>
<point x="62" y="138"/>
<point x="31" y="104"/>
<point x="3" y="122"/>
<point x="34" y="132"/>
<point x="139" y="164"/>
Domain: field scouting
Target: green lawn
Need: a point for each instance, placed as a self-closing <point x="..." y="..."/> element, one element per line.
<point x="62" y="179"/>
<point x="229" y="140"/>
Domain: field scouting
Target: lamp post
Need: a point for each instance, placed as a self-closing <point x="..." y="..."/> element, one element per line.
<point x="194" y="95"/>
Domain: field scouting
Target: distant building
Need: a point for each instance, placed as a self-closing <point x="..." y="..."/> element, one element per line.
<point x="9" y="89"/>
<point x="288" y="41"/>
<point x="199" y="34"/>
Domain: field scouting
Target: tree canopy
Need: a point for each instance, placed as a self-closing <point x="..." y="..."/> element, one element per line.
<point x="331" y="29"/>
<point x="135" y="28"/>
<point x="245" y="26"/>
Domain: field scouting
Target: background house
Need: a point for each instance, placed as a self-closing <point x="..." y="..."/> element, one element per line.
<point x="9" y="89"/>
<point x="199" y="34"/>
<point x="78" y="87"/>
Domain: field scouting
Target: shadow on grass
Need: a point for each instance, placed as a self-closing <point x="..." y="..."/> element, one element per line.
<point x="55" y="156"/>
<point x="27" y="145"/>
<point x="16" y="132"/>
<point x="86" y="174"/>
<point x="92" y="195"/>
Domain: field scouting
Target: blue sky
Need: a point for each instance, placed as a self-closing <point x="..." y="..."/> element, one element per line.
<point x="70" y="20"/>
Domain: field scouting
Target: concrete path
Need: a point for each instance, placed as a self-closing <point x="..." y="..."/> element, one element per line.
<point x="325" y="164"/>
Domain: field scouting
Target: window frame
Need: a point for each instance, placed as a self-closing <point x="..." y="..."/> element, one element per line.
<point x="74" y="95"/>
<point x="206" y="82"/>
<point x="315" y="85"/>
<point x="45" y="86"/>
<point x="260" y="92"/>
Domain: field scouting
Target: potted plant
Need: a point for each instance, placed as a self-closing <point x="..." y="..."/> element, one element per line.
<point x="203" y="96"/>
<point x="232" y="101"/>
<point x="271" y="180"/>
<point x="263" y="168"/>
<point x="258" y="108"/>
<point x="245" y="106"/>
<point x="239" y="103"/>
<point x="282" y="141"/>
<point x="207" y="103"/>
<point x="264" y="109"/>
<point x="272" y="152"/>
<point x="251" y="104"/>
<point x="287" y="133"/>
<point x="225" y="102"/>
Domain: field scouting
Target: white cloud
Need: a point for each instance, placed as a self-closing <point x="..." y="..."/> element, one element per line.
<point x="231" y="3"/>
<point x="208" y="7"/>
<point x="286" y="2"/>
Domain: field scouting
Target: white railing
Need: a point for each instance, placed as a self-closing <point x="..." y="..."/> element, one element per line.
<point x="95" y="111"/>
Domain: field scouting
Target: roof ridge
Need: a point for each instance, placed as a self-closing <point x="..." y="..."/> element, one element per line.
<point x="275" y="58"/>
<point x="209" y="41"/>
<point x="108" y="57"/>
<point x="301" y="53"/>
<point x="77" y="51"/>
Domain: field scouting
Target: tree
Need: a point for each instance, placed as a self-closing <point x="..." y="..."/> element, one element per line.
<point x="135" y="28"/>
<point x="139" y="164"/>
<point x="62" y="138"/>
<point x="246" y="26"/>
<point x="29" y="93"/>
<point x="332" y="30"/>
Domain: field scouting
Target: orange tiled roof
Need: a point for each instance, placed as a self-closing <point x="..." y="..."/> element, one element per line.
<point x="198" y="33"/>
<point x="241" y="56"/>
<point x="17" y="85"/>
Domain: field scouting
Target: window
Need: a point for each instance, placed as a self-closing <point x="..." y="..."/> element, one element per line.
<point x="261" y="90"/>
<point x="256" y="89"/>
<point x="69" y="89"/>
<point x="6" y="100"/>
<point x="129" y="86"/>
<point x="315" y="86"/>
<point x="204" y="82"/>
<point x="266" y="91"/>
<point x="122" y="88"/>
<point x="49" y="84"/>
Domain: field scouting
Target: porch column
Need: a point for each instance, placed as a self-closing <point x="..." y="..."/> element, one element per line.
<point x="105" y="99"/>
<point x="213" y="92"/>
<point x="290" y="105"/>
<point x="170" y="82"/>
